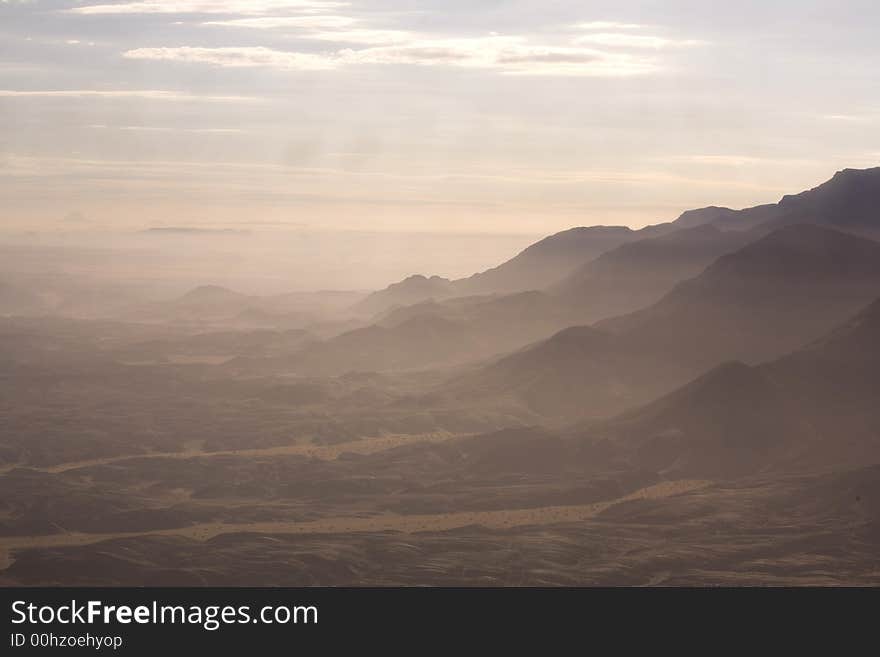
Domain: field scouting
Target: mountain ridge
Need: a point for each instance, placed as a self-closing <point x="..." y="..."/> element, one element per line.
<point x="847" y="201"/>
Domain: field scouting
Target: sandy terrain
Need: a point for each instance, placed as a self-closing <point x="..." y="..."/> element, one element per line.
<point x="384" y="522"/>
<point x="323" y="452"/>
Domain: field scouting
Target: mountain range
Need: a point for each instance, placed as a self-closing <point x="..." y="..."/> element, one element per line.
<point x="760" y="302"/>
<point x="847" y="202"/>
<point x="656" y="306"/>
<point x="536" y="267"/>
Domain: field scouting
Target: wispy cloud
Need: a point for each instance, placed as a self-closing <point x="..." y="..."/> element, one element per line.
<point x="330" y="27"/>
<point x="246" y="7"/>
<point x="364" y="36"/>
<point x="144" y="94"/>
<point x="256" y="56"/>
<point x="849" y="118"/>
<point x="607" y="49"/>
<point x="622" y="40"/>
<point x="509" y="54"/>
<point x="316" y="21"/>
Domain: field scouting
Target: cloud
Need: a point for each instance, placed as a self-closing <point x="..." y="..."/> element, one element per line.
<point x="621" y="40"/>
<point x="246" y="7"/>
<point x="330" y="27"/>
<point x="145" y="94"/>
<point x="363" y="36"/>
<point x="255" y="56"/>
<point x="607" y="25"/>
<point x="604" y="53"/>
<point x="848" y="118"/>
<point x="317" y="21"/>
<point x="508" y="54"/>
<point x="549" y="56"/>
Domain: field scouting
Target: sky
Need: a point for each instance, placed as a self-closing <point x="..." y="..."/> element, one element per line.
<point x="482" y="116"/>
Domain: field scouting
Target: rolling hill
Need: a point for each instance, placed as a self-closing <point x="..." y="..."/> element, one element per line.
<point x="637" y="274"/>
<point x="770" y="297"/>
<point x="813" y="410"/>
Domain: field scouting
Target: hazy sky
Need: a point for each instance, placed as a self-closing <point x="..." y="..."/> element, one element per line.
<point x="462" y="115"/>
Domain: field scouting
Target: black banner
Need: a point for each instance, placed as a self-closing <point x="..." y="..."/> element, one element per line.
<point x="267" y="621"/>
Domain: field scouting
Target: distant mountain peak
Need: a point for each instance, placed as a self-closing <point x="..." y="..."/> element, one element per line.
<point x="598" y="228"/>
<point x="850" y="199"/>
<point x="421" y="278"/>
<point x="843" y="181"/>
<point x="205" y="292"/>
<point x="849" y="174"/>
<point x="703" y="216"/>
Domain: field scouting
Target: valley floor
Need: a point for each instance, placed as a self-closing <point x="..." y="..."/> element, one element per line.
<point x="760" y="532"/>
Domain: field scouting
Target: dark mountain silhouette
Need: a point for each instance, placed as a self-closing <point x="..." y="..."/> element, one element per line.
<point x="850" y="201"/>
<point x="847" y="202"/>
<point x="636" y="274"/>
<point x="712" y="214"/>
<point x="770" y="297"/>
<point x="727" y="218"/>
